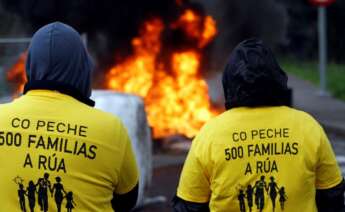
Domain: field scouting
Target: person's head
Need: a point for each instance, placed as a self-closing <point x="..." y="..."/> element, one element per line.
<point x="58" y="179"/>
<point x="58" y="60"/>
<point x="40" y="180"/>
<point x="253" y="78"/>
<point x="69" y="195"/>
<point x="46" y="176"/>
<point x="31" y="183"/>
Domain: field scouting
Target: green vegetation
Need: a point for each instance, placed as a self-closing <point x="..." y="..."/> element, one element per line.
<point x="308" y="70"/>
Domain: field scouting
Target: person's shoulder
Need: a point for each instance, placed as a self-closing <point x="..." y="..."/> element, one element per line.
<point x="302" y="115"/>
<point x="305" y="121"/>
<point x="102" y="116"/>
<point x="105" y="125"/>
<point x="214" y="125"/>
<point x="222" y="120"/>
<point x="210" y="125"/>
<point x="5" y="107"/>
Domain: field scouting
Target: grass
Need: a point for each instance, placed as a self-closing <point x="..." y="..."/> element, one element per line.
<point x="308" y="70"/>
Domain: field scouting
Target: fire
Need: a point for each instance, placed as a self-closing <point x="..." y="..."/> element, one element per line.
<point x="17" y="74"/>
<point x="175" y="95"/>
<point x="135" y="75"/>
<point x="209" y="32"/>
<point x="201" y="28"/>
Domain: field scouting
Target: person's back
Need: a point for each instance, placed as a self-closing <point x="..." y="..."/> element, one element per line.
<point x="259" y="155"/>
<point x="282" y="153"/>
<point x="56" y="149"/>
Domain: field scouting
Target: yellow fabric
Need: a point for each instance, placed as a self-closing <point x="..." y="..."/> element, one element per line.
<point x="46" y="133"/>
<point x="267" y="148"/>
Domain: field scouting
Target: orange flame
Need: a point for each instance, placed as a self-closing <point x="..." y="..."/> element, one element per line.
<point x="201" y="28"/>
<point x="209" y="31"/>
<point x="135" y="75"/>
<point x="176" y="101"/>
<point x="175" y="95"/>
<point x="16" y="74"/>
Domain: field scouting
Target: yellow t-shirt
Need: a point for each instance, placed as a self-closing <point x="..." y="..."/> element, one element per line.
<point x="56" y="152"/>
<point x="259" y="159"/>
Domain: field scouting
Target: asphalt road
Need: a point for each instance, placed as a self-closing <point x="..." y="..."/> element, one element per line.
<point x="164" y="183"/>
<point x="338" y="143"/>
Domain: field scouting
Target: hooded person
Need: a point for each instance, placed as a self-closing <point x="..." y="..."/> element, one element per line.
<point x="259" y="137"/>
<point x="54" y="129"/>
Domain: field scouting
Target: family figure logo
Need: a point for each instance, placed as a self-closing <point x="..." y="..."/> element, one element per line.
<point x="41" y="190"/>
<point x="258" y="192"/>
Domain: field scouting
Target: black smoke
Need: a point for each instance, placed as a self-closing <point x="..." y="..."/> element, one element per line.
<point x="238" y="20"/>
<point x="109" y="24"/>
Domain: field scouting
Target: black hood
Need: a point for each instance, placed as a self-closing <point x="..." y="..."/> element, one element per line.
<point x="253" y="78"/>
<point x="58" y="60"/>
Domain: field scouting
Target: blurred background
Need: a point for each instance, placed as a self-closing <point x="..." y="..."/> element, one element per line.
<point x="171" y="53"/>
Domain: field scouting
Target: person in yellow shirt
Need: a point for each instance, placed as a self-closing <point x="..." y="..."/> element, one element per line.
<point x="259" y="155"/>
<point x="57" y="152"/>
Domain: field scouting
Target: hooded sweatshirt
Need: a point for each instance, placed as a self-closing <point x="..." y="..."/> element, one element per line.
<point x="252" y="77"/>
<point x="58" y="60"/>
<point x="259" y="155"/>
<point x="55" y="151"/>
